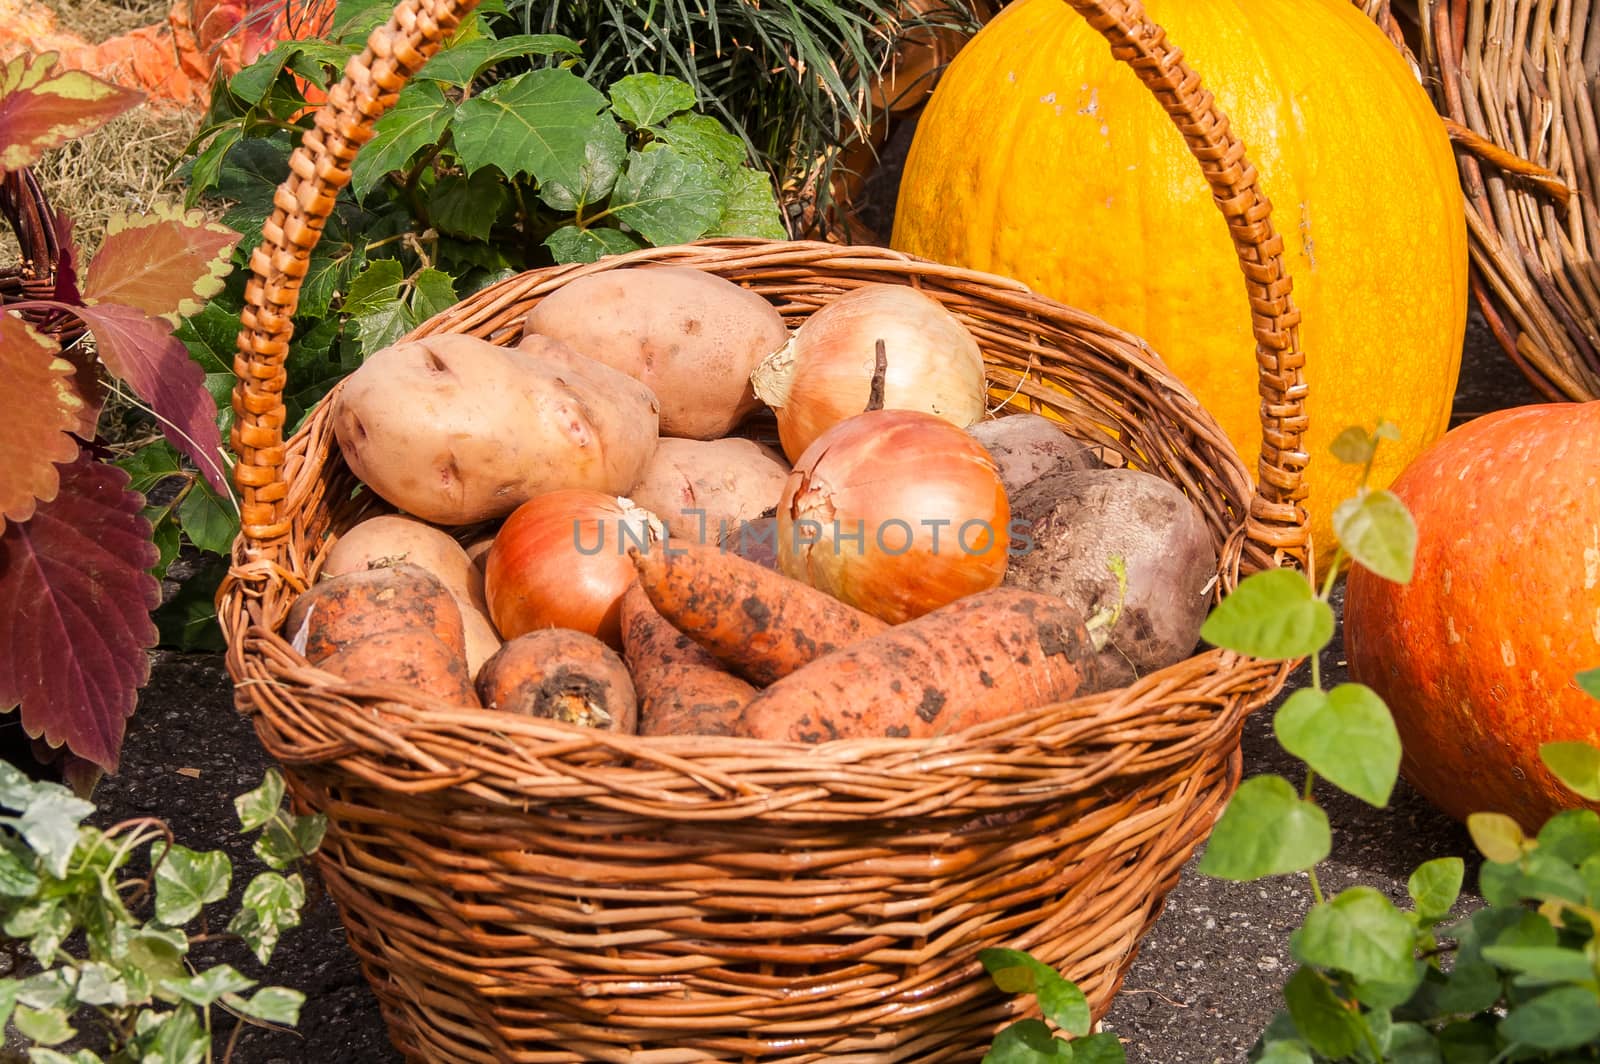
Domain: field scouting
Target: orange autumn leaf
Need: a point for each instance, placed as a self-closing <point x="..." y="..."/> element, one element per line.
<point x="42" y="108"/>
<point x="166" y="262"/>
<point x="41" y="410"/>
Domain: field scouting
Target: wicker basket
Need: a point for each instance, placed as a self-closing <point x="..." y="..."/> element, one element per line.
<point x="1518" y="83"/>
<point x="521" y="890"/>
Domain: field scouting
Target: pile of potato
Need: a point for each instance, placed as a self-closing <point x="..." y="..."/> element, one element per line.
<point x="628" y="405"/>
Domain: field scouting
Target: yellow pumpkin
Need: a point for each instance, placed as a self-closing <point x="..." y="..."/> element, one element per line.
<point x="1042" y="158"/>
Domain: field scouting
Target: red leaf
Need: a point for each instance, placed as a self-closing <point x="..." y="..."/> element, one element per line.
<point x="165" y="262"/>
<point x="41" y="409"/>
<point x="75" y="601"/>
<point x="67" y="264"/>
<point x="142" y="351"/>
<point x="42" y="108"/>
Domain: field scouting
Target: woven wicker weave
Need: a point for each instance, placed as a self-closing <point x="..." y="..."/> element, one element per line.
<point x="1517" y="81"/>
<point x="521" y="890"/>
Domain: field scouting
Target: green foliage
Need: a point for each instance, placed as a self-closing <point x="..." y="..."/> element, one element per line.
<point x="1063" y="1005"/>
<point x="108" y="945"/>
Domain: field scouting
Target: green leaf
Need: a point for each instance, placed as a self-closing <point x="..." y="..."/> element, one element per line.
<point x="1412" y="1043"/>
<point x="258" y="806"/>
<point x="539" y="122"/>
<point x="1551" y="964"/>
<point x="282" y="844"/>
<point x="1575" y="764"/>
<point x="1589" y="682"/>
<point x="206" y="987"/>
<point x="158" y="952"/>
<point x="166" y="535"/>
<point x="468" y="205"/>
<point x="270" y="906"/>
<point x="668" y="198"/>
<point x="1329" y="1024"/>
<point x="571" y="244"/>
<point x="45" y="924"/>
<point x="174" y="1037"/>
<point x="188" y="620"/>
<point x="272" y="1004"/>
<point x="1102" y="1048"/>
<point x="1266" y="830"/>
<point x="102" y="984"/>
<point x="1354" y="446"/>
<point x="1472" y="986"/>
<point x="460" y="65"/>
<point x="1294" y="1052"/>
<point x="1359" y="932"/>
<point x="17" y="877"/>
<point x="205" y="167"/>
<point x="210" y="337"/>
<point x="1572" y="836"/>
<point x="375" y="287"/>
<point x="39" y="1055"/>
<point x="1346" y="736"/>
<point x="48" y="1027"/>
<point x="187" y="881"/>
<point x="1435" y="886"/>
<point x="647" y="99"/>
<point x="752" y="208"/>
<point x="50" y="824"/>
<point x="1272" y="614"/>
<point x="1378" y="532"/>
<point x="703" y="137"/>
<point x="1497" y="836"/>
<point x="596" y="176"/>
<point x="9" y="988"/>
<point x="1016" y="972"/>
<point x="209" y="520"/>
<point x="433" y="291"/>
<point x="16" y="790"/>
<point x="1564" y="1018"/>
<point x="151" y="464"/>
<point x="1027" y="1042"/>
<point x="418" y="120"/>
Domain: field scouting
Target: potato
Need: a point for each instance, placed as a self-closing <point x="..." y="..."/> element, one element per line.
<point x="754" y="541"/>
<point x="702" y="489"/>
<point x="1025" y="447"/>
<point x="392" y="538"/>
<point x="561" y="675"/>
<point x="1080" y="523"/>
<point x="693" y="337"/>
<point x="453" y="429"/>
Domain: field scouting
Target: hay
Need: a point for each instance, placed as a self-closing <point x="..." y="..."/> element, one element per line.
<point x="100" y="20"/>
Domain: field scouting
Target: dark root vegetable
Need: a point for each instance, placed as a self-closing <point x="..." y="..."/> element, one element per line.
<point x="1026" y="447"/>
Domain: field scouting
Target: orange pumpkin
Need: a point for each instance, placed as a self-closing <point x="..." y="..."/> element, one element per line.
<point x="1477" y="655"/>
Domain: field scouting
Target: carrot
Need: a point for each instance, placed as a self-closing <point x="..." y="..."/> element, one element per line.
<point x="977" y="659"/>
<point x="413" y="657"/>
<point x="346" y="609"/>
<point x="683" y="689"/>
<point x="563" y="675"/>
<point x="762" y="624"/>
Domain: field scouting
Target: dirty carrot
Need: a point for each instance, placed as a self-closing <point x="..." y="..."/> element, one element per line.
<point x="683" y="689"/>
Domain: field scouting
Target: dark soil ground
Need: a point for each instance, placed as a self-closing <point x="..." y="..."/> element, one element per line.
<point x="1206" y="982"/>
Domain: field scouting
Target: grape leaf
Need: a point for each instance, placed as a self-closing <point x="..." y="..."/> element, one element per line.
<point x="75" y="602"/>
<point x="432" y="292"/>
<point x="669" y="198"/>
<point x="418" y="119"/>
<point x="42" y="108"/>
<point x="142" y="351"/>
<point x="645" y="99"/>
<point x="539" y="123"/>
<point x="603" y="157"/>
<point x="41" y="410"/>
<point x="752" y="208"/>
<point x="703" y="137"/>
<point x="459" y="64"/>
<point x="468" y="206"/>
<point x="165" y="262"/>
<point x="572" y="244"/>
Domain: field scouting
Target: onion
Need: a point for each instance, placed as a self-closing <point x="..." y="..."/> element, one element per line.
<point x="896" y="512"/>
<point x="561" y="561"/>
<point x="826" y="372"/>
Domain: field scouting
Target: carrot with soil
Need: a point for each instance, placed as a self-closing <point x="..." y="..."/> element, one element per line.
<point x="762" y="624"/>
<point x="562" y="675"/>
<point x="978" y="659"/>
<point x="683" y="689"/>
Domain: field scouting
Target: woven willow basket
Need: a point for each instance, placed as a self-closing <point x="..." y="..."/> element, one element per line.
<point x="521" y="890"/>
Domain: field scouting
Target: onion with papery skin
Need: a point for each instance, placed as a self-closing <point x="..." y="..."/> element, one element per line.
<point x="896" y="512"/>
<point x="561" y="561"/>
<point x="825" y="373"/>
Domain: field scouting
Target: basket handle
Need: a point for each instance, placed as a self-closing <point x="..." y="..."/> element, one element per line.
<point x="320" y="167"/>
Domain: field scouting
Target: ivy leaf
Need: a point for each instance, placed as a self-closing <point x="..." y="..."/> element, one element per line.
<point x="1324" y="1020"/>
<point x="208" y="519"/>
<point x="187" y="881"/>
<point x="1016" y="972"/>
<point x="603" y="156"/>
<point x="1272" y="614"/>
<point x="50" y="1056"/>
<point x="175" y="1037"/>
<point x="1359" y="932"/>
<point x="206" y="987"/>
<point x="1575" y="764"/>
<point x="142" y="351"/>
<point x="283" y="843"/>
<point x="1564" y="1018"/>
<point x="45" y="924"/>
<point x="1266" y="830"/>
<point x="1378" y="532"/>
<point x="271" y="1004"/>
<point x="572" y="244"/>
<point x="260" y="805"/>
<point x="1497" y="836"/>
<point x="41" y="409"/>
<point x="433" y="291"/>
<point x="158" y="951"/>
<point x="270" y="906"/>
<point x="48" y="1027"/>
<point x="1027" y="1042"/>
<point x="668" y="198"/>
<point x="539" y="123"/>
<point x="50" y="824"/>
<point x="460" y="64"/>
<point x="468" y="205"/>
<point x="75" y="601"/>
<point x="1435" y="886"/>
<point x="101" y="984"/>
<point x="419" y="118"/>
<point x="17" y="877"/>
<point x="645" y="99"/>
<point x="165" y="262"/>
<point x="752" y="208"/>
<point x="702" y="137"/>
<point x="42" y="108"/>
<point x="1345" y="735"/>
